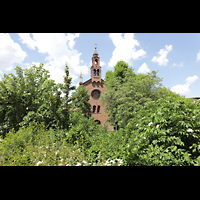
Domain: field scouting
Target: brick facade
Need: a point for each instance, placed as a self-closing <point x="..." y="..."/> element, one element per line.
<point x="96" y="87"/>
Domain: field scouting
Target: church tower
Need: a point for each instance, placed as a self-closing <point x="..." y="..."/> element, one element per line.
<point x="96" y="69"/>
<point x="96" y="87"/>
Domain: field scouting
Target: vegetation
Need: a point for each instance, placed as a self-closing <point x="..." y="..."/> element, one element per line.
<point x="39" y="126"/>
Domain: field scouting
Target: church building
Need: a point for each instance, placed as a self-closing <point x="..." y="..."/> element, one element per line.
<point x="96" y="87"/>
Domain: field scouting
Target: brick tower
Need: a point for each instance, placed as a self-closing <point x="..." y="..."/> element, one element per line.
<point x="96" y="87"/>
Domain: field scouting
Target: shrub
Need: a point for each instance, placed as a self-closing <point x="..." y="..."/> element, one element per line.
<point x="165" y="132"/>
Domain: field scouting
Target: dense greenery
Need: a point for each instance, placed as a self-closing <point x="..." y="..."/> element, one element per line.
<point x="26" y="91"/>
<point x="39" y="126"/>
<point x="126" y="91"/>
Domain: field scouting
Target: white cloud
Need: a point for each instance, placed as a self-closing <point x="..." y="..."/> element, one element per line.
<point x="125" y="48"/>
<point x="143" y="69"/>
<point x="191" y="79"/>
<point x="198" y="56"/>
<point x="25" y="38"/>
<point x="60" y="49"/>
<point x="178" y="65"/>
<point x="184" y="89"/>
<point x="102" y="63"/>
<point x="10" y="52"/>
<point x="162" y="58"/>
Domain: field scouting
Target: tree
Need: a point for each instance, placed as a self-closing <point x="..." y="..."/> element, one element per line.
<point x="80" y="101"/>
<point x="55" y="112"/>
<point x="164" y="132"/>
<point x="21" y="93"/>
<point x="64" y="110"/>
<point x="126" y="90"/>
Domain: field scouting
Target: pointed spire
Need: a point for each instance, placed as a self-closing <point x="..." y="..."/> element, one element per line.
<point x="81" y="78"/>
<point x="95" y="51"/>
<point x="81" y="75"/>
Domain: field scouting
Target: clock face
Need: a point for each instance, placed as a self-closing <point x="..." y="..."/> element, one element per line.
<point x="96" y="94"/>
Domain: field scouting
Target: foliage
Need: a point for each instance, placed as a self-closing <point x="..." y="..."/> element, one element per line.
<point x="80" y="101"/>
<point x="55" y="111"/>
<point x="37" y="146"/>
<point x="81" y="128"/>
<point x="26" y="91"/>
<point x="126" y="91"/>
<point x="107" y="146"/>
<point x="164" y="132"/>
<point x="65" y="109"/>
<point x="156" y="126"/>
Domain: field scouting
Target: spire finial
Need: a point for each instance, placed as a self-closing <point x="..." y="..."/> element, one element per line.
<point x="95" y="45"/>
<point x="81" y="75"/>
<point x="81" y="78"/>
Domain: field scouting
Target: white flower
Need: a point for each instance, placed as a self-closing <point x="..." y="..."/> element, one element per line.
<point x="157" y="126"/>
<point x="145" y="138"/>
<point x="84" y="162"/>
<point x="56" y="152"/>
<point x="107" y="163"/>
<point x="116" y="162"/>
<point x="120" y="161"/>
<point x="150" y="123"/>
<point x="137" y="124"/>
<point x="190" y="130"/>
<point x="38" y="163"/>
<point x="78" y="164"/>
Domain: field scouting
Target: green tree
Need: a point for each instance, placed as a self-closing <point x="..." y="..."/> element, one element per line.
<point x="164" y="132"/>
<point x="65" y="108"/>
<point x="126" y="90"/>
<point x="26" y="91"/>
<point x="80" y="101"/>
<point x="55" y="112"/>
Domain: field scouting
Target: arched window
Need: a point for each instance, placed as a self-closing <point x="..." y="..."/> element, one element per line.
<point x="98" y="121"/>
<point x="95" y="94"/>
<point x="97" y="72"/>
<point x="98" y="109"/>
<point x="95" y="62"/>
<point x="94" y="72"/>
<point x="94" y="109"/>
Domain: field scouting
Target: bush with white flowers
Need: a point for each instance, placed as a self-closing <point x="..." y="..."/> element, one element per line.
<point x="166" y="132"/>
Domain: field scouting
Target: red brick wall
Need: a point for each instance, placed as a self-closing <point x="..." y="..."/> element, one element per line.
<point x="102" y="116"/>
<point x="96" y="83"/>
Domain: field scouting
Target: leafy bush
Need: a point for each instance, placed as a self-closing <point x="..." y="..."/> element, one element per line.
<point x="156" y="126"/>
<point x="165" y="132"/>
<point x="126" y="91"/>
<point x="26" y="91"/>
<point x="107" y="146"/>
<point x="35" y="145"/>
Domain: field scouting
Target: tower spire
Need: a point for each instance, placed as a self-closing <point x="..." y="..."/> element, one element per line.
<point x="95" y="51"/>
<point x="81" y="78"/>
<point x="95" y="45"/>
<point x="96" y="68"/>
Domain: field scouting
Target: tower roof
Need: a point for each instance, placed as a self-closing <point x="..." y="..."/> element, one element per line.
<point x="95" y="51"/>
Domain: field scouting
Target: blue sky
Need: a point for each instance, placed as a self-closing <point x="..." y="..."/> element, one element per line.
<point x="175" y="55"/>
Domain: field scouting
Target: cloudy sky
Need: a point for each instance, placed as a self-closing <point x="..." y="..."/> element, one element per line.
<point x="175" y="55"/>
